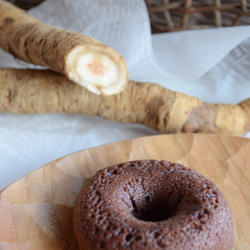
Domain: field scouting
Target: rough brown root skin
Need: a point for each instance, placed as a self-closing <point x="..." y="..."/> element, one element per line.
<point x="80" y="58"/>
<point x="43" y="91"/>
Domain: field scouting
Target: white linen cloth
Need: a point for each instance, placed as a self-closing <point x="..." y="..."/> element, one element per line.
<point x="210" y="64"/>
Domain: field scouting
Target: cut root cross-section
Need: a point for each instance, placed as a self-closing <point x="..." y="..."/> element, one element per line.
<point x="81" y="58"/>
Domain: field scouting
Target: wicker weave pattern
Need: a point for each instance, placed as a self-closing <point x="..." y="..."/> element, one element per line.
<point x="174" y="15"/>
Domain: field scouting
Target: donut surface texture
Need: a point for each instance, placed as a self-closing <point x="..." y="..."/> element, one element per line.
<point x="149" y="204"/>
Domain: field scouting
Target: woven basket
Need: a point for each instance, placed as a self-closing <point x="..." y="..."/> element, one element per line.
<point x="174" y="15"/>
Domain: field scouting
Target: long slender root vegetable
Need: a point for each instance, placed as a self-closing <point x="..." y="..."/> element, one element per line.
<point x="81" y="58"/>
<point x="44" y="91"/>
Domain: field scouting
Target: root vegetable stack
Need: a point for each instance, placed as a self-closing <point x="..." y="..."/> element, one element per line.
<point x="103" y="71"/>
<point x="81" y="58"/>
<point x="43" y="91"/>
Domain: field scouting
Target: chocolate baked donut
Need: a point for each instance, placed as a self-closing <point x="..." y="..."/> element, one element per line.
<point x="149" y="204"/>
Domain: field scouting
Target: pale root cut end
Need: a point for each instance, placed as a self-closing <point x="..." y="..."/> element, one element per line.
<point x="98" y="68"/>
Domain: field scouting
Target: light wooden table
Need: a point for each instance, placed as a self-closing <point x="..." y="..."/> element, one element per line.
<point x="36" y="211"/>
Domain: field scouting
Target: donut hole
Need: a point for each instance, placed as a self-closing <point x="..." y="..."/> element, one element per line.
<point x="165" y="206"/>
<point x="156" y="208"/>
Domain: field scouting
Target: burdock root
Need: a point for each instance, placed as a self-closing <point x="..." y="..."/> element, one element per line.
<point x="80" y="58"/>
<point x="43" y="91"/>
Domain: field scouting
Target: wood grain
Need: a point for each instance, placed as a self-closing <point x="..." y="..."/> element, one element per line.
<point x="36" y="211"/>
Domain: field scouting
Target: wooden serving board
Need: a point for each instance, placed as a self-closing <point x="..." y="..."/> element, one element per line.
<point x="36" y="211"/>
